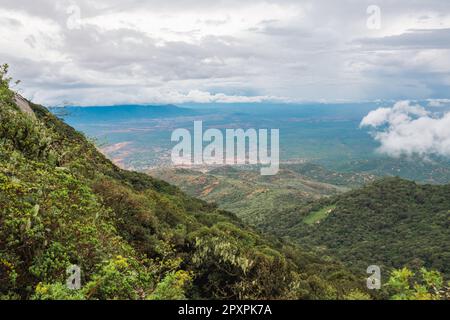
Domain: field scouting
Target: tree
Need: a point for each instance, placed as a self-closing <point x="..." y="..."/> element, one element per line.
<point x="6" y="95"/>
<point x="404" y="284"/>
<point x="172" y="287"/>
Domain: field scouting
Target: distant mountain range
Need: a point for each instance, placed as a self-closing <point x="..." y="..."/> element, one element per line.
<point x="108" y="113"/>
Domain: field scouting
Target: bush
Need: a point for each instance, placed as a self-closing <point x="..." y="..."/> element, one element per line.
<point x="172" y="287"/>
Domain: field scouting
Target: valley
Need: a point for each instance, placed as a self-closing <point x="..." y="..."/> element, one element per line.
<point x="325" y="157"/>
<point x="361" y="219"/>
<point x="261" y="201"/>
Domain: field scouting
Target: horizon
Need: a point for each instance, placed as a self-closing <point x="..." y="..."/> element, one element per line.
<point x="441" y="102"/>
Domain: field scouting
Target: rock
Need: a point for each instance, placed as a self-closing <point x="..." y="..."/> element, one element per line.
<point x="23" y="105"/>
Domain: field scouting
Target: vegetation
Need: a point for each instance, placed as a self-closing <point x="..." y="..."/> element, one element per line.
<point x="404" y="284"/>
<point x="319" y="215"/>
<point x="260" y="201"/>
<point x="433" y="170"/>
<point x="62" y="203"/>
<point x="134" y="237"/>
<point x="391" y="223"/>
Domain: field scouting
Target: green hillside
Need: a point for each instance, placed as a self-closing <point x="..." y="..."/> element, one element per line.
<point x="134" y="237"/>
<point x="391" y="223"/>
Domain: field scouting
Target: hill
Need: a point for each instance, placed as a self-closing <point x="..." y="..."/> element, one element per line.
<point x="391" y="222"/>
<point x="63" y="203"/>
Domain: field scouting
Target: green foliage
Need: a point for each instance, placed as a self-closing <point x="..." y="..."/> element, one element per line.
<point x="6" y="95"/>
<point x="21" y="132"/>
<point x="172" y="287"/>
<point x="51" y="264"/>
<point x="391" y="223"/>
<point x="357" y="295"/>
<point x="403" y="284"/>
<point x="119" y="278"/>
<point x="267" y="203"/>
<point x="317" y="216"/>
<point x="134" y="237"/>
<point x="56" y="291"/>
<point x="24" y="133"/>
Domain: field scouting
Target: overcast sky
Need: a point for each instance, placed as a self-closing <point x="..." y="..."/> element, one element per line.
<point x="173" y="51"/>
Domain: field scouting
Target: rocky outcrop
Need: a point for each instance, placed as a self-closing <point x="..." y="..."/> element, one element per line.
<point x="23" y="105"/>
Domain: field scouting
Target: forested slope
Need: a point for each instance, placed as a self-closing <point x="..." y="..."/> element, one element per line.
<point x="391" y="222"/>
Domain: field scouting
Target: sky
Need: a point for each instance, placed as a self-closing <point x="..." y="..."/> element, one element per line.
<point x="136" y="52"/>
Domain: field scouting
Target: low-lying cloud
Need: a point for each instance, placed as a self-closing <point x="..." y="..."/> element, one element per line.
<point x="131" y="95"/>
<point x="410" y="129"/>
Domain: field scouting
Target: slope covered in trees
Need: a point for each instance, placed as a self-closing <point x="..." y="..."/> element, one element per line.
<point x="134" y="237"/>
<point x="391" y="223"/>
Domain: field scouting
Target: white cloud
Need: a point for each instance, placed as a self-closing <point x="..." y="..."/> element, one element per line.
<point x="376" y="118"/>
<point x="408" y="129"/>
<point x="129" y="95"/>
<point x="206" y="97"/>
<point x="32" y="37"/>
<point x="438" y="102"/>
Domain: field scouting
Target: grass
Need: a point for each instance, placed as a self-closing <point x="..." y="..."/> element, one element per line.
<point x="319" y="215"/>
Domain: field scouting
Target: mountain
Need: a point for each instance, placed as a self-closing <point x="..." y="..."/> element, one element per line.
<point x="108" y="113"/>
<point x="391" y="223"/>
<point x="62" y="203"/>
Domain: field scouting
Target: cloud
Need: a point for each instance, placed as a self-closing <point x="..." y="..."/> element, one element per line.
<point x="438" y="102"/>
<point x="302" y="50"/>
<point x="131" y="95"/>
<point x="409" y="129"/>
<point x="206" y="97"/>
<point x="415" y="38"/>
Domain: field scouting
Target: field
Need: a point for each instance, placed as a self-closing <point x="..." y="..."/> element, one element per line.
<point x="317" y="216"/>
